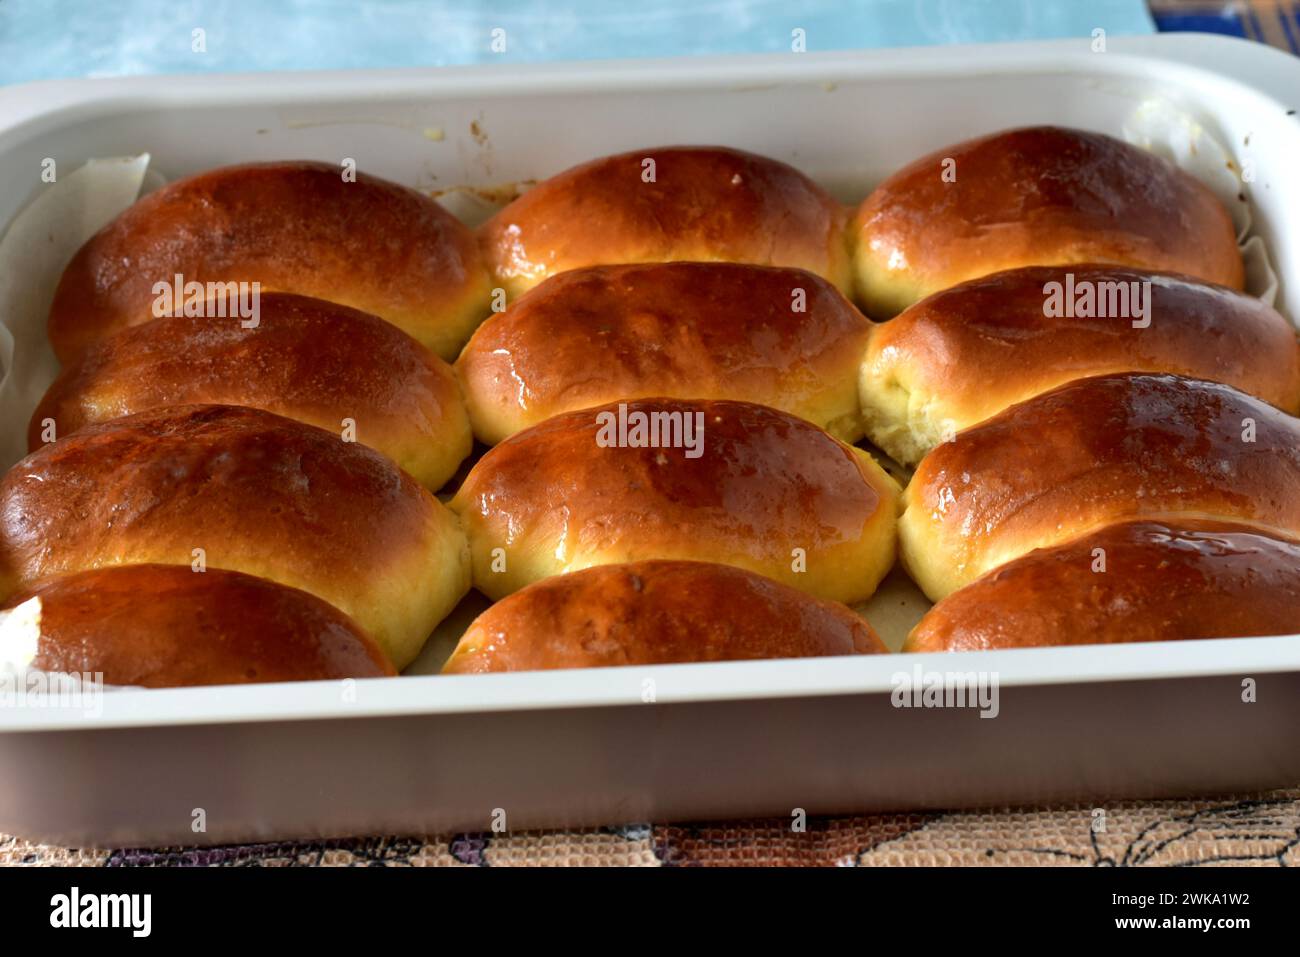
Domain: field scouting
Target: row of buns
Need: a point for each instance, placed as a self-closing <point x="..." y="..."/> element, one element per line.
<point x="1034" y="196"/>
<point x="705" y="285"/>
<point x="768" y="335"/>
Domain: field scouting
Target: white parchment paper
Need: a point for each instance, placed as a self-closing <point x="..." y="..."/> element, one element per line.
<point x="35" y="248"/>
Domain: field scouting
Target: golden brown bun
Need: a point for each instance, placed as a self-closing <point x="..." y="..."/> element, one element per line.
<point x="1090" y="453"/>
<point x="307" y="359"/>
<point x="163" y="626"/>
<point x="685" y="330"/>
<point x="1042" y="195"/>
<point x="768" y="492"/>
<point x="706" y="203"/>
<point x="259" y="494"/>
<point x="963" y="355"/>
<point x="1150" y="582"/>
<point x="293" y="227"/>
<point x="656" y="612"/>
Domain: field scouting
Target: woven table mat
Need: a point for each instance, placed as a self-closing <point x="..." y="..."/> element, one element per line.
<point x="1261" y="830"/>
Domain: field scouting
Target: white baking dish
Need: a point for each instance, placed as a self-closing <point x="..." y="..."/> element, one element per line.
<point x="427" y="753"/>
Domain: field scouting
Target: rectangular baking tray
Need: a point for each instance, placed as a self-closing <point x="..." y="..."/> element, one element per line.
<point x="424" y="754"/>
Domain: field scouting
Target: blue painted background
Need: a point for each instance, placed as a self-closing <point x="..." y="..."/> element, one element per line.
<point x="63" y="38"/>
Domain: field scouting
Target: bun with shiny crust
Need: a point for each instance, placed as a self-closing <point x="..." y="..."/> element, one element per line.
<point x="656" y="612"/>
<point x="726" y="482"/>
<point x="963" y="355"/>
<point x="775" y="336"/>
<point x="1134" y="581"/>
<point x="292" y="227"/>
<point x="1094" y="452"/>
<point x="164" y="626"/>
<point x="306" y="359"/>
<point x="244" y="490"/>
<point x="1037" y="196"/>
<point x="667" y="203"/>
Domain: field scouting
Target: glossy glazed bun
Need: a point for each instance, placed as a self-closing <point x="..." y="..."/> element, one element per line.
<point x="307" y="359"/>
<point x="1135" y="581"/>
<point x="1091" y="453"/>
<point x="752" y="487"/>
<point x="293" y="227"/>
<point x="663" y="204"/>
<point x="656" y="612"/>
<point x="1037" y="196"/>
<point x="163" y="626"/>
<point x="254" y="492"/>
<point x="778" y="337"/>
<point x="963" y="355"/>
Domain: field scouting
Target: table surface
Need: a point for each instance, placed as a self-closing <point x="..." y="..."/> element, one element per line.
<point x="59" y="38"/>
<point x="1258" y="830"/>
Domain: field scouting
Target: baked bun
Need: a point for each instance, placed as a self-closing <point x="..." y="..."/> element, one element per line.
<point x="964" y="354"/>
<point x="654" y="613"/>
<point x="163" y="626"/>
<point x="306" y="359"/>
<point x="292" y="227"/>
<point x="704" y="203"/>
<point x="779" y="337"/>
<point x="1042" y="195"/>
<point x="1135" y="581"/>
<point x="740" y="484"/>
<point x="256" y="492"/>
<point x="1094" y="452"/>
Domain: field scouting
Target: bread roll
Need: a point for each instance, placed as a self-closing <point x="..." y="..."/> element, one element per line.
<point x="256" y="492"/>
<point x="965" y="354"/>
<point x="163" y="626"/>
<point x="652" y="613"/>
<point x="668" y="203"/>
<point x="1094" y="452"/>
<point x="293" y="227"/>
<point x="307" y="359"/>
<point x="1041" y="195"/>
<point x="1148" y="582"/>
<point x="739" y="484"/>
<point x="779" y="337"/>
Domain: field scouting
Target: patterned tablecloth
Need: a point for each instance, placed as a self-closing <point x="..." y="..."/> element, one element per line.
<point x="1259" y="830"/>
